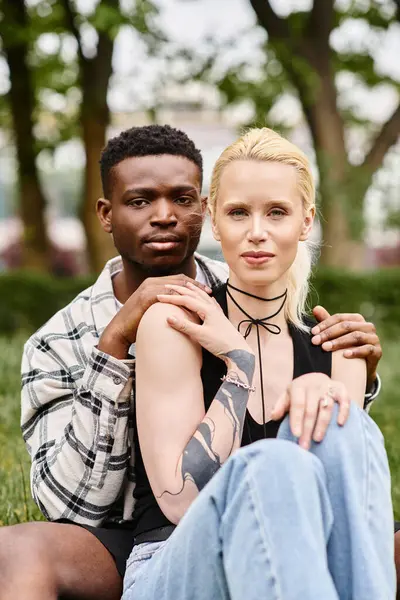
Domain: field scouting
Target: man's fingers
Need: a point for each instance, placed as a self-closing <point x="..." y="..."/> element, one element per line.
<point x="334" y="319"/>
<point x="351" y="340"/>
<point x="320" y="313"/>
<point x="371" y="352"/>
<point x="339" y="330"/>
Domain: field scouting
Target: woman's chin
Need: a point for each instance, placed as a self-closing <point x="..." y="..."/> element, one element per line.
<point x="255" y="277"/>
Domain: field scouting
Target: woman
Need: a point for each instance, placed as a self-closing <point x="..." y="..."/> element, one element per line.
<point x="307" y="515"/>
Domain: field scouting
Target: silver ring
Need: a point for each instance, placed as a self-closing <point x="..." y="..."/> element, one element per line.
<point x="325" y="401"/>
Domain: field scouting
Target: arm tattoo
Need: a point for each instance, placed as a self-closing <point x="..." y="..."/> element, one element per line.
<point x="200" y="461"/>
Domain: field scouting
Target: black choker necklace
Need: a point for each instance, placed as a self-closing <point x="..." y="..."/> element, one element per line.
<point x="249" y="322"/>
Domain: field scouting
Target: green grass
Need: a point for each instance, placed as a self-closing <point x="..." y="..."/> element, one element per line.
<point x="15" y="499"/>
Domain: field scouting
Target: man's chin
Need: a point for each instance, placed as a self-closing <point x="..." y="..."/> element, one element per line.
<point x="167" y="265"/>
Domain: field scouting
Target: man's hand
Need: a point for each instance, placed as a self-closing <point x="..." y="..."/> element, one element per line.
<point x="120" y="333"/>
<point x="349" y="332"/>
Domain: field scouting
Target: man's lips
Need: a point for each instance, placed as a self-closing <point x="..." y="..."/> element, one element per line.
<point x="161" y="243"/>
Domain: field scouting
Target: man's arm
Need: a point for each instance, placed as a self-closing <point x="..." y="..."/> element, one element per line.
<point x="358" y="338"/>
<point x="75" y="424"/>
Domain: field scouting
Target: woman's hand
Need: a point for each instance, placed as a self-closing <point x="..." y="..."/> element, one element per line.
<point x="216" y="333"/>
<point x="309" y="400"/>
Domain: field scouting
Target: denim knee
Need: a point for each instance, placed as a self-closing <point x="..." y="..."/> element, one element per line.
<point x="276" y="455"/>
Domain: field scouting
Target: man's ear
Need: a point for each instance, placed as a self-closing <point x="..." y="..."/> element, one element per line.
<point x="307" y="224"/>
<point x="104" y="214"/>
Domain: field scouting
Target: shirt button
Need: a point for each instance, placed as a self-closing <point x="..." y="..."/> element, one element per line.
<point x="117" y="380"/>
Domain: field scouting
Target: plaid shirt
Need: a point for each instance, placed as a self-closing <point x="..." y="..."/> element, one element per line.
<point x="77" y="419"/>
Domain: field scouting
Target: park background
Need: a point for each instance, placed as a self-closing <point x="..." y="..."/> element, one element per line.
<point x="75" y="72"/>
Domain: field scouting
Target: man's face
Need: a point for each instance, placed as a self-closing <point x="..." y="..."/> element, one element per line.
<point x="156" y="211"/>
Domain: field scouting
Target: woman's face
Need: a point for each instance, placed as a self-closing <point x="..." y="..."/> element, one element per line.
<point x="259" y="220"/>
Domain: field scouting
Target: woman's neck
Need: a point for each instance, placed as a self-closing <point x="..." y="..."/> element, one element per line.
<point x="255" y="307"/>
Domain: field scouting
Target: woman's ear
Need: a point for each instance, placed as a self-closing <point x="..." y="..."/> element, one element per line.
<point x="307" y="224"/>
<point x="104" y="214"/>
<point x="215" y="230"/>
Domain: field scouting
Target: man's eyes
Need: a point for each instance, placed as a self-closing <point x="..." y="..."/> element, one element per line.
<point x="184" y="200"/>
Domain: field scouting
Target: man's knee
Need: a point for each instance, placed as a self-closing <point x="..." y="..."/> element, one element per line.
<point x="24" y="551"/>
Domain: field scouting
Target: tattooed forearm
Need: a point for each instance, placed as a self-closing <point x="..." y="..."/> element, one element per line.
<point x="216" y="437"/>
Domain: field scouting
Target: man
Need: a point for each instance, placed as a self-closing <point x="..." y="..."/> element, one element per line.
<point x="78" y="372"/>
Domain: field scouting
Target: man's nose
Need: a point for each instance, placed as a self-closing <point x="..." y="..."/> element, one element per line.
<point x="164" y="214"/>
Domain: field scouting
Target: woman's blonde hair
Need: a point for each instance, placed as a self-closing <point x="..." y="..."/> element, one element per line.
<point x="266" y="145"/>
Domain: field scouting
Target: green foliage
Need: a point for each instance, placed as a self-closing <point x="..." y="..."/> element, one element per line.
<point x="28" y="300"/>
<point x="375" y="294"/>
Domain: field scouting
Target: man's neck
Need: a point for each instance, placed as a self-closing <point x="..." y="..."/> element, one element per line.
<point x="131" y="277"/>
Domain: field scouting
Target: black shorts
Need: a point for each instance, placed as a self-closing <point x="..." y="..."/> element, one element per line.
<point x="118" y="541"/>
<point x="396" y="526"/>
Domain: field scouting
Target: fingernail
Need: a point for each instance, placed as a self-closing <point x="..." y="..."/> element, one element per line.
<point x="172" y="320"/>
<point x="347" y="353"/>
<point x="304" y="445"/>
<point x="327" y="346"/>
<point x="318" y="436"/>
<point x="208" y="290"/>
<point x="315" y="330"/>
<point x="316" y="339"/>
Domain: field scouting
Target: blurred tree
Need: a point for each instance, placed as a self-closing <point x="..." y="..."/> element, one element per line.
<point x="300" y="58"/>
<point x="16" y="39"/>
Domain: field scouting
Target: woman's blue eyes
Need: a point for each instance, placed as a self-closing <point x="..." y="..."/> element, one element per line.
<point x="239" y="212"/>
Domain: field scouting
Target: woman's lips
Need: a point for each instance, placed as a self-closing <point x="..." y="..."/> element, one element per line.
<point x="257" y="258"/>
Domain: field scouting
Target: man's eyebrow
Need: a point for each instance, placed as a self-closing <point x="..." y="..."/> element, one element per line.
<point x="151" y="192"/>
<point x="139" y="190"/>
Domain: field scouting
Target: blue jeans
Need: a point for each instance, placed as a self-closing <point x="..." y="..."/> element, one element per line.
<point x="281" y="523"/>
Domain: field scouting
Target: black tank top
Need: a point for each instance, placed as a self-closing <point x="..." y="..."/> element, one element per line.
<point x="307" y="359"/>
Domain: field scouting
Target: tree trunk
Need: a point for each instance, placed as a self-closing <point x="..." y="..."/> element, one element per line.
<point x="100" y="246"/>
<point x="36" y="251"/>
<point x="318" y="96"/>
<point x="95" y="116"/>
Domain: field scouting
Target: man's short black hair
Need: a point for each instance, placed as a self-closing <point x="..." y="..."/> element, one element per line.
<point x="145" y="141"/>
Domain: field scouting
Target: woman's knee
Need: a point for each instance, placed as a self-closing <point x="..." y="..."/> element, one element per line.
<point x="275" y="455"/>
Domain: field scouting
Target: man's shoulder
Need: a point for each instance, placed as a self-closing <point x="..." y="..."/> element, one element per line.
<point x="215" y="271"/>
<point x="88" y="313"/>
<point x="70" y="318"/>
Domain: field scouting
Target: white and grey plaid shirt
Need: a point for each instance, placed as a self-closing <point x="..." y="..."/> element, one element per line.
<point x="77" y="408"/>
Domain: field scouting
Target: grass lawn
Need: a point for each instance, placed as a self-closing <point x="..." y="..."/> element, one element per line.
<point x="15" y="500"/>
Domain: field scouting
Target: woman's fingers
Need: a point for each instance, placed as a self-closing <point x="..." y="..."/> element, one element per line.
<point x="311" y="410"/>
<point x="298" y="398"/>
<point x="341" y="396"/>
<point x="184" y="326"/>
<point x="324" y="417"/>
<point x="188" y="302"/>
